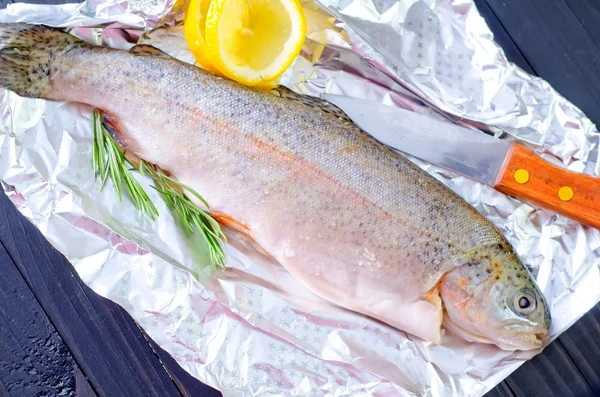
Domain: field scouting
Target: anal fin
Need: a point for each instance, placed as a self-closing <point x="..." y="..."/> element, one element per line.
<point x="241" y="230"/>
<point x="231" y="223"/>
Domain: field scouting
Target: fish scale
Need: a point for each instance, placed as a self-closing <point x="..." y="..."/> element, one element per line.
<point x="356" y="222"/>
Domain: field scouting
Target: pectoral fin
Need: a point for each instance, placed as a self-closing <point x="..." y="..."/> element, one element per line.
<point x="422" y="318"/>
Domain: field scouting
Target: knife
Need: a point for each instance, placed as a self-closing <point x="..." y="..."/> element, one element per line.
<point x="509" y="167"/>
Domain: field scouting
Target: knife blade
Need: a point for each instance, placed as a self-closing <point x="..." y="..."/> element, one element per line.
<point x="509" y="167"/>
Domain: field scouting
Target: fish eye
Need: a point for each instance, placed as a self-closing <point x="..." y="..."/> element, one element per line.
<point x="524" y="303"/>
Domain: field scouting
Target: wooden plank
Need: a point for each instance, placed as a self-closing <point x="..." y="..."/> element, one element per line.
<point x="588" y="14"/>
<point x="558" y="47"/>
<point x="101" y="336"/>
<point x="501" y="36"/>
<point x="505" y="389"/>
<point x="188" y="385"/>
<point x="3" y="391"/>
<point x="559" y="40"/>
<point x="502" y="390"/>
<point x="33" y="358"/>
<point x="582" y="344"/>
<point x="569" y="366"/>
<point x="552" y="373"/>
<point x="82" y="385"/>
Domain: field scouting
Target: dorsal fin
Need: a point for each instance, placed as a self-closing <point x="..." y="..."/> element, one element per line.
<point x="311" y="101"/>
<point x="147" y="50"/>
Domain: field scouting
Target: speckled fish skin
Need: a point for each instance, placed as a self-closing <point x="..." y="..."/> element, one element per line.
<point x="359" y="224"/>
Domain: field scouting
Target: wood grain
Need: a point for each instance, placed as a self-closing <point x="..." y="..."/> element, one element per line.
<point x="3" y="391"/>
<point x="544" y="183"/>
<point x="101" y="336"/>
<point x="502" y="390"/>
<point x="547" y="37"/>
<point x="82" y="385"/>
<point x="33" y="357"/>
<point x="547" y="376"/>
<point x="560" y="40"/>
<point x="582" y="344"/>
<point x="552" y="37"/>
<point x="187" y="384"/>
<point x="502" y="38"/>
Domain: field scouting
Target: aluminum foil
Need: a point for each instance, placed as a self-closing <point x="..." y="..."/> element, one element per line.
<point x="252" y="329"/>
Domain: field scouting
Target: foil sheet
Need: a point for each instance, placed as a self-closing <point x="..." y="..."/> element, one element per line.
<point x="252" y="329"/>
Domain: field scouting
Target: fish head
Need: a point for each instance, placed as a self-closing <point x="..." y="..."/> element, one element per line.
<point x="492" y="298"/>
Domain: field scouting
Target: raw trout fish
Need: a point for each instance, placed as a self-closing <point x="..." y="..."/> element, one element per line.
<point x="355" y="221"/>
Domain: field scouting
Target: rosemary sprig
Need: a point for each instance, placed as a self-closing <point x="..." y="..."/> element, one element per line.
<point x="188" y="212"/>
<point x="109" y="161"/>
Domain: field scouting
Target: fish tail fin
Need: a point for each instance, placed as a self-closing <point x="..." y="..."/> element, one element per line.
<point x="26" y="55"/>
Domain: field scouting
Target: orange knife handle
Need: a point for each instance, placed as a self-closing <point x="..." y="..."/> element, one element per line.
<point x="526" y="175"/>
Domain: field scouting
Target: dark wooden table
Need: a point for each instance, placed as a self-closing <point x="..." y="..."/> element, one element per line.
<point x="59" y="338"/>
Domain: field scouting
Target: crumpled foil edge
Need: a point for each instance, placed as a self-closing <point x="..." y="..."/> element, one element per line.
<point x="253" y="329"/>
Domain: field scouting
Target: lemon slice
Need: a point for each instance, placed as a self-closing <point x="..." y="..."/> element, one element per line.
<point x="194" y="27"/>
<point x="254" y="41"/>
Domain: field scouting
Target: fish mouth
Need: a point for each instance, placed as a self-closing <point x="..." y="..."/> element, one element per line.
<point x="523" y="341"/>
<point x="530" y="339"/>
<point x="541" y="337"/>
<point x="463" y="333"/>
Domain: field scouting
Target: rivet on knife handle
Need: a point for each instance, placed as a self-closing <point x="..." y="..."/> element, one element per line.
<point x="527" y="176"/>
<point x="521" y="176"/>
